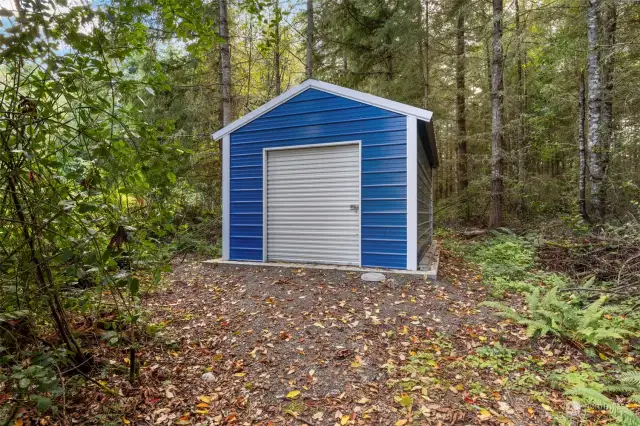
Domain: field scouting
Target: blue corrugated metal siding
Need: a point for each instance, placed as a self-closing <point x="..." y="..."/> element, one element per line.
<point x="316" y="117"/>
<point x="425" y="205"/>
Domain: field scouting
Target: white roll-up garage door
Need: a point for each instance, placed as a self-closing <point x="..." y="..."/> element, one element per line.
<point x="312" y="204"/>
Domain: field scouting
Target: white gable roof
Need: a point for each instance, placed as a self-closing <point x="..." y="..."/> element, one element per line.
<point x="365" y="98"/>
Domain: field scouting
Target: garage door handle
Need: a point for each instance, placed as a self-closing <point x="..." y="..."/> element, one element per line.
<point x="354" y="207"/>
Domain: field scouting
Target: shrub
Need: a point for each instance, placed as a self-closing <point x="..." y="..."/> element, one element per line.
<point x="505" y="256"/>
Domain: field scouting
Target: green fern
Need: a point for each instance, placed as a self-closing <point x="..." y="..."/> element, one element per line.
<point x="631" y="378"/>
<point x="593" y="398"/>
<point x="629" y="384"/>
<point x="549" y="314"/>
<point x="505" y="311"/>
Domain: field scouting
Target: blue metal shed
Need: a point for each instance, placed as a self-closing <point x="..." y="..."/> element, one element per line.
<point x="326" y="174"/>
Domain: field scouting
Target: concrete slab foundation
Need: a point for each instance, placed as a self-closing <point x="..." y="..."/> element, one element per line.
<point x="419" y="273"/>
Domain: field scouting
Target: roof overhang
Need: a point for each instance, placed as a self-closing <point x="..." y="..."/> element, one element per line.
<point x="365" y="98"/>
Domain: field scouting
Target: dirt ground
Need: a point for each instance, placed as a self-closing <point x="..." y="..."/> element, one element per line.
<point x="274" y="346"/>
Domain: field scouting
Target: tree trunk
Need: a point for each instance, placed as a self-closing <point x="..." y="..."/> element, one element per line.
<point x="520" y="143"/>
<point x="44" y="276"/>
<point x="309" y="65"/>
<point x="582" y="203"/>
<point x="424" y="48"/>
<point x="609" y="25"/>
<point x="596" y="170"/>
<point x="461" y="122"/>
<point x="495" y="219"/>
<point x="276" y="52"/>
<point x="225" y="64"/>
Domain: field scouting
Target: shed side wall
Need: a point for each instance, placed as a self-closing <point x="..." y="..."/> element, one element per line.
<point x="316" y="117"/>
<point x="425" y="194"/>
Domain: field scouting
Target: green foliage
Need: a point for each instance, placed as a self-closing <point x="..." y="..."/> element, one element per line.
<point x="628" y="384"/>
<point x="591" y="397"/>
<point x="586" y="385"/>
<point x="548" y="313"/>
<point x="88" y="178"/>
<point x="505" y="256"/>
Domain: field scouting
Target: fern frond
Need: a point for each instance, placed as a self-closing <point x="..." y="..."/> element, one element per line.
<point x="505" y="311"/>
<point x="620" y="389"/>
<point x="549" y="315"/>
<point x="611" y="333"/>
<point x="631" y="378"/>
<point x="595" y="399"/>
<point x="593" y="312"/>
<point x="635" y="398"/>
<point x="534" y="327"/>
<point x="550" y="297"/>
<point x="533" y="299"/>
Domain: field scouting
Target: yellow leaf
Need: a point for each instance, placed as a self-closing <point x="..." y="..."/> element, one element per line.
<point x="344" y="419"/>
<point x="18" y="422"/>
<point x="240" y="374"/>
<point x="204" y="398"/>
<point x="202" y="405"/>
<point x="355" y="364"/>
<point x="124" y="420"/>
<point x="318" y="324"/>
<point x="363" y="400"/>
<point x="202" y="411"/>
<point x="602" y="356"/>
<point x="293" y="394"/>
<point x="484" y="414"/>
<point x="401" y="422"/>
<point x="404" y="400"/>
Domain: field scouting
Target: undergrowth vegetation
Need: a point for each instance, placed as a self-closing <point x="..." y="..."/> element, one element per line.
<point x="552" y="305"/>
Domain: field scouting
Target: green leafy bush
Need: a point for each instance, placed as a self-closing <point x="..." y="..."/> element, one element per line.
<point x="506" y="256"/>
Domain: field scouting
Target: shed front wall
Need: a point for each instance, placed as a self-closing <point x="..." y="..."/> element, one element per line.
<point x="316" y="117"/>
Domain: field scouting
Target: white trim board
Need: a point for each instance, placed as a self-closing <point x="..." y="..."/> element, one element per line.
<point x="355" y="95"/>
<point x="412" y="193"/>
<point x="226" y="196"/>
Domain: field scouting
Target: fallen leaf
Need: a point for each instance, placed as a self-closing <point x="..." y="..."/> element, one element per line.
<point x="503" y="406"/>
<point x="484" y="414"/>
<point x="293" y="394"/>
<point x="404" y="400"/>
